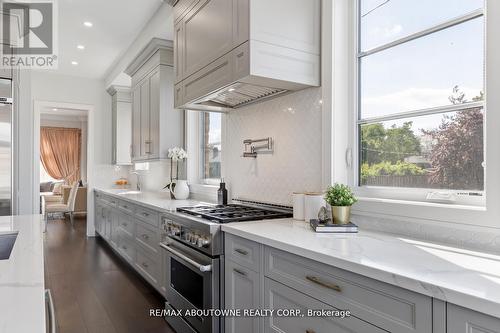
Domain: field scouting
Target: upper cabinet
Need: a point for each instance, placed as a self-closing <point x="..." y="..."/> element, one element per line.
<point x="121" y="108"/>
<point x="156" y="126"/>
<point x="253" y="49"/>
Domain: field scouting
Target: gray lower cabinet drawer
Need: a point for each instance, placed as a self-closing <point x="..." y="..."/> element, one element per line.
<point x="126" y="223"/>
<point x="461" y="320"/>
<point x="148" y="216"/>
<point x="242" y="291"/>
<point x="243" y="251"/>
<point x="278" y="296"/>
<point x="126" y="207"/>
<point x="126" y="245"/>
<point x="391" y="308"/>
<point x="147" y="236"/>
<point x="148" y="265"/>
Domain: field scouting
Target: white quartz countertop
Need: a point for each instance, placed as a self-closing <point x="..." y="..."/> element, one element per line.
<point x="466" y="278"/>
<point x="22" y="299"/>
<point x="154" y="200"/>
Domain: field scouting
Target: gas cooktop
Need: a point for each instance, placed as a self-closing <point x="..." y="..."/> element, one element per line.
<point x="234" y="213"/>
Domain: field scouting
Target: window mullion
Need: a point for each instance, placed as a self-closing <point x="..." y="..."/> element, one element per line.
<point x="423" y="112"/>
<point x="445" y="25"/>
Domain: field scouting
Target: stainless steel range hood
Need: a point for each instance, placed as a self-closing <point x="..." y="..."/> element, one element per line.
<point x="238" y="95"/>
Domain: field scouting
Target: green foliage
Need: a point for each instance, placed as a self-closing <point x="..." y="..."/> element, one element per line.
<point x="388" y="145"/>
<point x="340" y="195"/>
<point x="389" y="169"/>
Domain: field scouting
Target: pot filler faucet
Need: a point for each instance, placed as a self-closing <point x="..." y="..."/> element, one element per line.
<point x="251" y="150"/>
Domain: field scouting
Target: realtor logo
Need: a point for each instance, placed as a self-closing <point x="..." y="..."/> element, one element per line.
<point x="29" y="34"/>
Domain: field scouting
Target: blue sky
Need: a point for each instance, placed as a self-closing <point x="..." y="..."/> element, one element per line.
<point x="421" y="73"/>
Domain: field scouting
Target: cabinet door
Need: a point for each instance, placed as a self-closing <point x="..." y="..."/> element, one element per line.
<point x="279" y="296"/>
<point x="154" y="114"/>
<point x="114" y="130"/>
<point x="98" y="218"/>
<point x="208" y="34"/>
<point x="242" y="289"/>
<point x="461" y="320"/>
<point x="123" y="132"/>
<point x="145" y="104"/>
<point x="178" y="48"/>
<point x="241" y="21"/>
<point x="136" y="123"/>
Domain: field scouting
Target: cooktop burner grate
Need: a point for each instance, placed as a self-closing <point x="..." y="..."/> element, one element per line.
<point x="233" y="213"/>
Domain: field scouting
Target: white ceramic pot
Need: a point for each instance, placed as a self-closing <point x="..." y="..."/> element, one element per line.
<point x="181" y="190"/>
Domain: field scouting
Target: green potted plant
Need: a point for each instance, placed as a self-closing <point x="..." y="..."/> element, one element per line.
<point x="340" y="198"/>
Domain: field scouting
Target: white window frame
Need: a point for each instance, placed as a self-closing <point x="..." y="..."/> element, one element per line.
<point x="340" y="46"/>
<point x="193" y="144"/>
<point x="409" y="194"/>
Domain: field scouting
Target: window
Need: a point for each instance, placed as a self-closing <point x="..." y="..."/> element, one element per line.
<point x="420" y="113"/>
<point x="210" y="146"/>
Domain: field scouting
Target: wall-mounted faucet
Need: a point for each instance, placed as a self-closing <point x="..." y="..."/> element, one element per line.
<point x="252" y="150"/>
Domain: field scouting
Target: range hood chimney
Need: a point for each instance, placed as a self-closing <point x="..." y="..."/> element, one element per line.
<point x="270" y="57"/>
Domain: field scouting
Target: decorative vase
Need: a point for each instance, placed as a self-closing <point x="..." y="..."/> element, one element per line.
<point x="341" y="214"/>
<point x="180" y="190"/>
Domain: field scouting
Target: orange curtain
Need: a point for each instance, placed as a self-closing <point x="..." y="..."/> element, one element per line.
<point x="60" y="152"/>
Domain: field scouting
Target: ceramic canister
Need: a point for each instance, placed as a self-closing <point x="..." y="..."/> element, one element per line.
<point x="298" y="205"/>
<point x="313" y="201"/>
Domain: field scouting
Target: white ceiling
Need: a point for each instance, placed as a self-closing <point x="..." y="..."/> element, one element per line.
<point x="116" y="23"/>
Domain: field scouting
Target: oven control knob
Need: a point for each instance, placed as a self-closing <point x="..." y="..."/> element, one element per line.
<point x="203" y="242"/>
<point x="194" y="239"/>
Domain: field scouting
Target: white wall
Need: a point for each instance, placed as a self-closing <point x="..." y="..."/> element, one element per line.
<point x="71" y="122"/>
<point x="294" y="122"/>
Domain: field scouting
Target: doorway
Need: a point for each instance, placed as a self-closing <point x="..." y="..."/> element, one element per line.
<point x="64" y="157"/>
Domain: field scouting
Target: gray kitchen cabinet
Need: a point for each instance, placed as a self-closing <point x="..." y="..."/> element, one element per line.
<point x="121" y="124"/>
<point x="178" y="50"/>
<point x="207" y="34"/>
<point x="392" y="308"/>
<point x="136" y="121"/>
<point x="462" y="320"/>
<point x="133" y="232"/>
<point x="156" y="125"/>
<point x="279" y="297"/>
<point x="98" y="217"/>
<point x="242" y="291"/>
<point x="282" y="50"/>
<point x="293" y="281"/>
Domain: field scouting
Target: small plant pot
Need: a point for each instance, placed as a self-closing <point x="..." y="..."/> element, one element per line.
<point x="341" y="214"/>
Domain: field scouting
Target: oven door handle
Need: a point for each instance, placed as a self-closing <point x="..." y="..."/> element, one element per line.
<point x="201" y="268"/>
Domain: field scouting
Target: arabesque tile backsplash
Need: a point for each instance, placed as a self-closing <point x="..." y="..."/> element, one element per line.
<point x="294" y="123"/>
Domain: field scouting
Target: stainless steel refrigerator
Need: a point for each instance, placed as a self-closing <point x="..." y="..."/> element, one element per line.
<point x="5" y="147"/>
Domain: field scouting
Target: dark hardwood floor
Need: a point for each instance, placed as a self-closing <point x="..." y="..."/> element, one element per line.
<point x="93" y="291"/>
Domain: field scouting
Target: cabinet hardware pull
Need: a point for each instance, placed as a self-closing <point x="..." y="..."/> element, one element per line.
<point x="124" y="224"/>
<point x="145" y="265"/>
<point x="124" y="247"/>
<point x="149" y="143"/>
<point x="310" y="331"/>
<point x="239" y="272"/>
<point x="145" y="214"/>
<point x="328" y="285"/>
<point x="240" y="251"/>
<point x="145" y="236"/>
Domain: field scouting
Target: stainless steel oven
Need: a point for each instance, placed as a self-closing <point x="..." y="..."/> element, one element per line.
<point x="193" y="282"/>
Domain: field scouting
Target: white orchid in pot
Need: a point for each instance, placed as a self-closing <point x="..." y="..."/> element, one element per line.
<point x="178" y="188"/>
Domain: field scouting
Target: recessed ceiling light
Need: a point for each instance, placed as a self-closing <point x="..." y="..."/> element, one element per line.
<point x="74" y="63"/>
<point x="87" y="24"/>
<point x="80" y="47"/>
<point x="231" y="89"/>
<point x="54" y="109"/>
